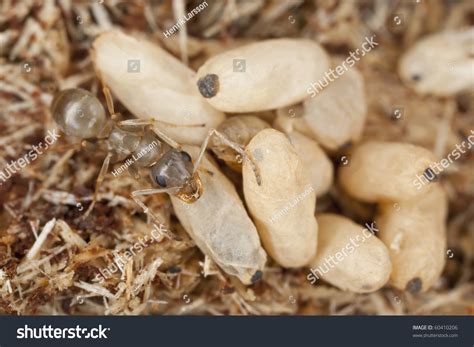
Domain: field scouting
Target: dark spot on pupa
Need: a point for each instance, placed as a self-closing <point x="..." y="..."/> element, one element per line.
<point x="416" y="77"/>
<point x="430" y="175"/>
<point x="257" y="276"/>
<point x="366" y="287"/>
<point x="208" y="85"/>
<point x="414" y="285"/>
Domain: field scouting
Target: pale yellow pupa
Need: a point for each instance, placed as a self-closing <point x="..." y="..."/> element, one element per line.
<point x="385" y="171"/>
<point x="412" y="218"/>
<point x="220" y="225"/>
<point x="414" y="231"/>
<point x="349" y="255"/>
<point x="440" y="64"/>
<point x="152" y="83"/>
<point x="262" y="76"/>
<point x="283" y="205"/>
<point x="336" y="116"/>
<point x="318" y="166"/>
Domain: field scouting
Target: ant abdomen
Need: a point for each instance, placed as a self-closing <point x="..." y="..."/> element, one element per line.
<point x="144" y="148"/>
<point x="78" y="113"/>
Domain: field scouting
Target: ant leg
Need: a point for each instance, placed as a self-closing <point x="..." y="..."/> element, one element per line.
<point x="84" y="144"/>
<point x="156" y="130"/>
<point x="62" y="148"/>
<point x="108" y="98"/>
<point x="98" y="183"/>
<point x="162" y="228"/>
<point x="152" y="191"/>
<point x="166" y="138"/>
<point x="153" y="121"/>
<point x="91" y="146"/>
<point x="110" y="107"/>
<point x="235" y="146"/>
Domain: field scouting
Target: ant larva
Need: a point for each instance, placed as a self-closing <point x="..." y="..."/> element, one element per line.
<point x="80" y="114"/>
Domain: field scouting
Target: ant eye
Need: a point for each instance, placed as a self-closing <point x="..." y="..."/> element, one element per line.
<point x="186" y="156"/>
<point x="161" y="180"/>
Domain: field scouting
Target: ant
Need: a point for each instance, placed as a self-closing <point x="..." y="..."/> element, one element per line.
<point x="79" y="113"/>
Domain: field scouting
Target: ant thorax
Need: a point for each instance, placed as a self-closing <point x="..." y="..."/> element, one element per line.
<point x="122" y="143"/>
<point x="149" y="150"/>
<point x="139" y="149"/>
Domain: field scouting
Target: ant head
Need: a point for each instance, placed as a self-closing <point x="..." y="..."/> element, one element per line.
<point x="78" y="113"/>
<point x="192" y="190"/>
<point x="175" y="170"/>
